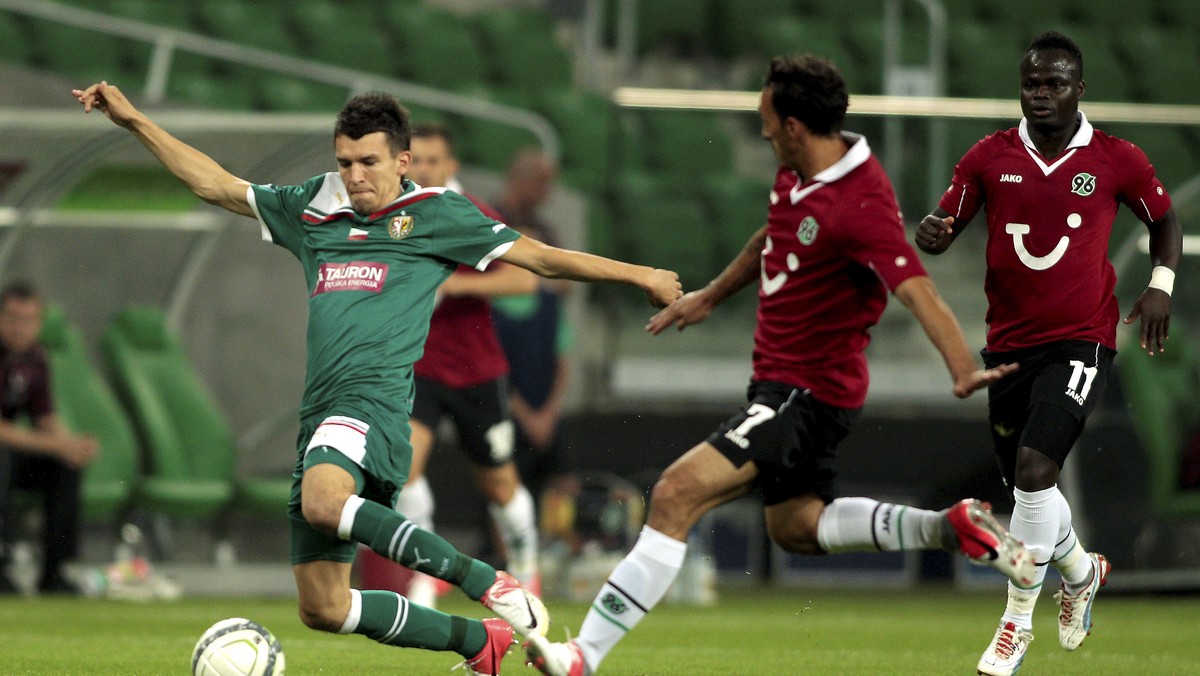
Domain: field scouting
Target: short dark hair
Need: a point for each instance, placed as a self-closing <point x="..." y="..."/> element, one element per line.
<point x="810" y="89"/>
<point x="371" y="112"/>
<point x="1051" y="40"/>
<point x="434" y="130"/>
<point x="19" y="290"/>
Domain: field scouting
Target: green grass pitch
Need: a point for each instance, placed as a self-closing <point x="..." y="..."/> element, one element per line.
<point x="752" y="631"/>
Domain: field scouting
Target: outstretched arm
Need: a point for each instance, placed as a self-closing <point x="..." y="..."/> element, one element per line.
<point x="1154" y="305"/>
<point x="922" y="299"/>
<point x="695" y="306"/>
<point x="661" y="286"/>
<point x="199" y="172"/>
<point x="506" y="280"/>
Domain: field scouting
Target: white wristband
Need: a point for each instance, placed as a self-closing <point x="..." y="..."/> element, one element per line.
<point x="1162" y="277"/>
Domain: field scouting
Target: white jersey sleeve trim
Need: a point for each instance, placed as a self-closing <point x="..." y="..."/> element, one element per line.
<point x="493" y="255"/>
<point x="252" y="199"/>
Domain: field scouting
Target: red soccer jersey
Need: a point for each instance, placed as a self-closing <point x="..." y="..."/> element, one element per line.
<point x="462" y="349"/>
<point x="835" y="247"/>
<point x="1049" y="223"/>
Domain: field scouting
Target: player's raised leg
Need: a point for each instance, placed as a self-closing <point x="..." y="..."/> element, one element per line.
<point x="330" y="509"/>
<point x="864" y="524"/>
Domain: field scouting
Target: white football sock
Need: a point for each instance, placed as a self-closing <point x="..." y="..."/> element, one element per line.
<point x="1035" y="522"/>
<point x="518" y="527"/>
<point x="1019" y="608"/>
<point x="863" y="524"/>
<point x="1070" y="559"/>
<point x="635" y="586"/>
<point x="416" y="503"/>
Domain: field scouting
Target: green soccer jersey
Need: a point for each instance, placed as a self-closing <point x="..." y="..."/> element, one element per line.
<point x="372" y="281"/>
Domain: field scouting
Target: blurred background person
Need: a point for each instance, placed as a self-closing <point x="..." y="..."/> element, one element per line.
<point x="42" y="456"/>
<point x="534" y="329"/>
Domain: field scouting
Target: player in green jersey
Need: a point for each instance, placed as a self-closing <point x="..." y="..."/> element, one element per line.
<point x="375" y="248"/>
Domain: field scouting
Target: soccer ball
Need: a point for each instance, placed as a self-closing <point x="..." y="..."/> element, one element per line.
<point x="237" y="647"/>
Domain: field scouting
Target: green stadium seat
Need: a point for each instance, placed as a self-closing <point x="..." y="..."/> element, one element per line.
<point x="283" y="93"/>
<point x="341" y="33"/>
<point x="204" y="81"/>
<point x="1164" y="63"/>
<point x="15" y="47"/>
<point x="85" y="404"/>
<point x="738" y="207"/>
<point x="985" y="73"/>
<point x="861" y="62"/>
<point x="79" y="53"/>
<point x="246" y="23"/>
<point x="176" y="15"/>
<point x="774" y="36"/>
<point x="1162" y="392"/>
<point x="190" y="452"/>
<point x="737" y="26"/>
<point x="586" y="123"/>
<point x="678" y="27"/>
<point x="436" y="47"/>
<point x="686" y="145"/>
<point x="524" y="56"/>
<point x="487" y="143"/>
<point x="666" y="228"/>
<point x="1106" y="76"/>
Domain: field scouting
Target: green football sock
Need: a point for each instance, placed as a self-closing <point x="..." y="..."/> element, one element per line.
<point x="391" y="534"/>
<point x="389" y="618"/>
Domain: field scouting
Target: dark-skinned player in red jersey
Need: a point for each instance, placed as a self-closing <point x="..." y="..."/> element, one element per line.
<point x="832" y="248"/>
<point x="1051" y="188"/>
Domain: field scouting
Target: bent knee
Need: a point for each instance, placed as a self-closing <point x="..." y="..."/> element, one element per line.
<point x="324" y="515"/>
<point x="797" y="538"/>
<point x="323" y="617"/>
<point x="793" y="525"/>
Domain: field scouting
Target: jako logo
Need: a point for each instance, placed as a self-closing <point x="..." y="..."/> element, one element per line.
<point x="1010" y="178"/>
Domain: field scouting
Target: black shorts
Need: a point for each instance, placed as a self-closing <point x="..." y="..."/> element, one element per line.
<point x="789" y="436"/>
<point x="479" y="414"/>
<point x="1044" y="404"/>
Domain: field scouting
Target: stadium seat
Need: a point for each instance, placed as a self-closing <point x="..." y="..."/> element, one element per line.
<point x="79" y="53"/>
<point x="679" y="27"/>
<point x="984" y="73"/>
<point x="86" y="405"/>
<point x="246" y="23"/>
<point x="1162" y="392"/>
<point x="435" y="47"/>
<point x="14" y="41"/>
<point x="736" y="26"/>
<point x="204" y="81"/>
<point x="487" y="143"/>
<point x="523" y="54"/>
<point x="686" y="146"/>
<point x="666" y="228"/>
<point x="347" y="34"/>
<point x="283" y="93"/>
<point x="190" y="452"/>
<point x="176" y="15"/>
<point x="773" y="36"/>
<point x="738" y="207"/>
<point x="586" y="123"/>
<point x="1164" y="65"/>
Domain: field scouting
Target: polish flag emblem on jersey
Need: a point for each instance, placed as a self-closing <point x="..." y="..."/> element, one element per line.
<point x="400" y="226"/>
